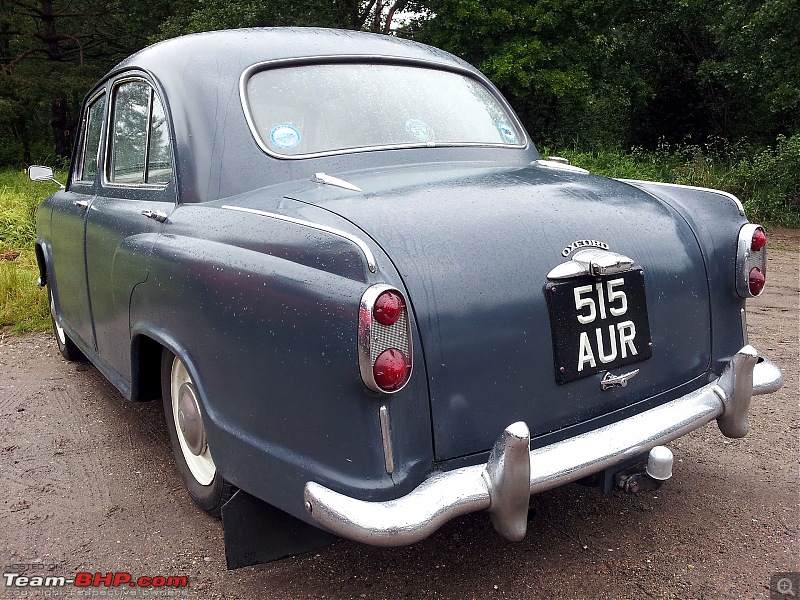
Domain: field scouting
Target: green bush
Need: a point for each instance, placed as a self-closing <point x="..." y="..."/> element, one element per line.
<point x="767" y="181"/>
<point x="770" y="182"/>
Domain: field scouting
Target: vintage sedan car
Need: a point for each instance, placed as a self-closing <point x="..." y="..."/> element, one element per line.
<point x="366" y="300"/>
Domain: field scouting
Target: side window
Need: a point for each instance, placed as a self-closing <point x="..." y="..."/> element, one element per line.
<point x="159" y="156"/>
<point x="140" y="144"/>
<point x="91" y="139"/>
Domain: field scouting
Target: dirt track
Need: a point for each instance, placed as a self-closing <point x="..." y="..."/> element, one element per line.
<point x="89" y="485"/>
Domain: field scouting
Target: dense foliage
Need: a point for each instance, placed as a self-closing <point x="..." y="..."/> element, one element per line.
<point x="587" y="76"/>
<point x="699" y="92"/>
<point x="584" y="73"/>
<point x="768" y="182"/>
<point x="581" y="73"/>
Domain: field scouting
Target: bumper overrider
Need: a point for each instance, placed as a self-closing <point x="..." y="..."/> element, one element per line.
<point x="513" y="472"/>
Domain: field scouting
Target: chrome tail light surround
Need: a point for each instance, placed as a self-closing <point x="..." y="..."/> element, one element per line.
<point x="748" y="259"/>
<point x="374" y="338"/>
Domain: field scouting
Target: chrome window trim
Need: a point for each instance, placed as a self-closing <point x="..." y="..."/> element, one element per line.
<point x="368" y="255"/>
<point x="107" y="183"/>
<point x="373" y="59"/>
<point x="84" y="131"/>
<point x="727" y="195"/>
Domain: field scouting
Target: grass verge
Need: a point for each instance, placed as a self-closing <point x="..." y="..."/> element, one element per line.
<point x="23" y="306"/>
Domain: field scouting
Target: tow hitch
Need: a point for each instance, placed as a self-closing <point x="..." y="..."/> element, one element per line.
<point x="647" y="475"/>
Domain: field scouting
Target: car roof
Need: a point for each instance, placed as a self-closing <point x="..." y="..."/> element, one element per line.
<point x="238" y="49"/>
<point x="198" y="79"/>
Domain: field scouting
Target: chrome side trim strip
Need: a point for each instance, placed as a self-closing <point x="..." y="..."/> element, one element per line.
<point x="513" y="472"/>
<point x="368" y="255"/>
<point x="745" y="336"/>
<point x="728" y="195"/>
<point x="386" y="434"/>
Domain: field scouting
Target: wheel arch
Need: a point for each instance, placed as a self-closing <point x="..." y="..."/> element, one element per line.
<point x="145" y="368"/>
<point x="147" y="345"/>
<point x="42" y="262"/>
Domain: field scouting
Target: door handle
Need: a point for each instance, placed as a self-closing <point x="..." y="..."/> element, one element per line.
<point x="156" y="215"/>
<point x="84" y="204"/>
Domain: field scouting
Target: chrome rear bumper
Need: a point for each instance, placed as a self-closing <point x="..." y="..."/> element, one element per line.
<point x="513" y="472"/>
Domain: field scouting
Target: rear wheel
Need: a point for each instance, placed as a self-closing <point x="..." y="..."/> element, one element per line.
<point x="66" y="346"/>
<point x="187" y="433"/>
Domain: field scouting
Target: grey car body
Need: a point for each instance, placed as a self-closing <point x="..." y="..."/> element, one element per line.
<point x="251" y="266"/>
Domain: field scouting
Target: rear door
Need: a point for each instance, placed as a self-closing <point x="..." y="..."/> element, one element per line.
<point x="136" y="195"/>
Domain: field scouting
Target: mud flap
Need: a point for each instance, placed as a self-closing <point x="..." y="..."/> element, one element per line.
<point x="257" y="533"/>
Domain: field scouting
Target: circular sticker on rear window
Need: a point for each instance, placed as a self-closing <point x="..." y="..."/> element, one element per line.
<point x="419" y="130"/>
<point x="285" y="137"/>
<point x="506" y="132"/>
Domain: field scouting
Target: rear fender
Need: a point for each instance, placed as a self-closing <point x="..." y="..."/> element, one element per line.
<point x="272" y="347"/>
<point x="715" y="218"/>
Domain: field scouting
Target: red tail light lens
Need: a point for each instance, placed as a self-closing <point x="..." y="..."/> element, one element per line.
<point x="391" y="369"/>
<point x="751" y="260"/>
<point x="388" y="308"/>
<point x="759" y="239"/>
<point x="385" y="348"/>
<point x="756" y="281"/>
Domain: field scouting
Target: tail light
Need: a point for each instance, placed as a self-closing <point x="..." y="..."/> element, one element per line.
<point x="751" y="261"/>
<point x="384" y="339"/>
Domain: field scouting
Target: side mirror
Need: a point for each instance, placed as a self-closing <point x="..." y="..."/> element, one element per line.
<point x="39" y="173"/>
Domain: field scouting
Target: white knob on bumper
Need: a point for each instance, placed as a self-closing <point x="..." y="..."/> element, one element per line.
<point x="659" y="463"/>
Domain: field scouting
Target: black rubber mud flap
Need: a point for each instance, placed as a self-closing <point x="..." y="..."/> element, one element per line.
<point x="257" y="533"/>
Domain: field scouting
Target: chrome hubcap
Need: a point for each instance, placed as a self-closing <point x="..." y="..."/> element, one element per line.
<point x="189" y="425"/>
<point x="190" y="421"/>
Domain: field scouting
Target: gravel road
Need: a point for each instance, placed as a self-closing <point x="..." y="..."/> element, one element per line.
<point x="90" y="486"/>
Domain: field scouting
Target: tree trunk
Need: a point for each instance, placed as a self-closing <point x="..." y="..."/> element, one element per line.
<point x="24" y="137"/>
<point x="62" y="131"/>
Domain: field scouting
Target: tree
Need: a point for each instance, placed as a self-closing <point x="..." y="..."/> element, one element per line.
<point x="758" y="67"/>
<point x="610" y="72"/>
<point x="553" y="59"/>
<point x="52" y="53"/>
<point x="191" y="16"/>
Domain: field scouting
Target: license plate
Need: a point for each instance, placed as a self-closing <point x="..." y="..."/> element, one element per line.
<point x="598" y="323"/>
